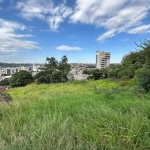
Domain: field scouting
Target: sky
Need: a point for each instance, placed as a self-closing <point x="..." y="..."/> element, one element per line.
<point x="31" y="30"/>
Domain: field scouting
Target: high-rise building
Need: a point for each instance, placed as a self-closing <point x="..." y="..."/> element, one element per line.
<point x="35" y="67"/>
<point x="8" y="71"/>
<point x="102" y="59"/>
<point x="12" y="71"/>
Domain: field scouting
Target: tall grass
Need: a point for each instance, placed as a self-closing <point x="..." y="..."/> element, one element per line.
<point x="80" y="115"/>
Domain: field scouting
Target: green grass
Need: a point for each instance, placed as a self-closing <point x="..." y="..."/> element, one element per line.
<point x="82" y="115"/>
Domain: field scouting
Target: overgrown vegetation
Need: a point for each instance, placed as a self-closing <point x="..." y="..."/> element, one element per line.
<point x="78" y="115"/>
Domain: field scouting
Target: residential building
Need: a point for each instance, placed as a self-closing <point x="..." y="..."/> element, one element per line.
<point x="8" y="71"/>
<point x="35" y="68"/>
<point x="102" y="59"/>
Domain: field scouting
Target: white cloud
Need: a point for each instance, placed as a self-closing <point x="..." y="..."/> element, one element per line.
<point x="54" y="22"/>
<point x="2" y="54"/>
<point x="125" y="40"/>
<point x="114" y="16"/>
<point x="93" y="11"/>
<point x="118" y="16"/>
<point x="68" y="48"/>
<point x="10" y="41"/>
<point x="45" y="10"/>
<point x="108" y="34"/>
<point x="72" y="36"/>
<point x="140" y="29"/>
<point x="45" y="30"/>
<point x="1" y="1"/>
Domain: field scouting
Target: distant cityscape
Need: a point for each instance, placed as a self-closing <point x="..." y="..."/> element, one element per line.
<point x="76" y="69"/>
<point x="102" y="61"/>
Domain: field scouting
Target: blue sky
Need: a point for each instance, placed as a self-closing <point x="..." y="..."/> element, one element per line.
<point x="31" y="30"/>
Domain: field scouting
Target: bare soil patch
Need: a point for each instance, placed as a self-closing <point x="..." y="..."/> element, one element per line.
<point x="4" y="97"/>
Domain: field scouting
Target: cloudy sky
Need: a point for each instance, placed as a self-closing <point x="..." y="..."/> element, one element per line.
<point x="31" y="30"/>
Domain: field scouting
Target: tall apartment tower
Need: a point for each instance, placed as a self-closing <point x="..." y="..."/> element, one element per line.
<point x="102" y="59"/>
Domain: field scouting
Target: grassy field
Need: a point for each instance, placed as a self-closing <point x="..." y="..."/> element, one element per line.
<point x="82" y="115"/>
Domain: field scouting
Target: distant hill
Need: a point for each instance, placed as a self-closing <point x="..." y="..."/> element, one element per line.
<point x="2" y="64"/>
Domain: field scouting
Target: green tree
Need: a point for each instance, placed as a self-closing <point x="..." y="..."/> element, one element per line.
<point x="50" y="69"/>
<point x="42" y="79"/>
<point x="54" y="71"/>
<point x="136" y="60"/>
<point x="99" y="73"/>
<point x="20" y="78"/>
<point x="85" y="71"/>
<point x="64" y="68"/>
<point x="112" y="70"/>
<point x="42" y="73"/>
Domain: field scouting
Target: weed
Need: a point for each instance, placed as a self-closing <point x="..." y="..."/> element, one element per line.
<point x="77" y="115"/>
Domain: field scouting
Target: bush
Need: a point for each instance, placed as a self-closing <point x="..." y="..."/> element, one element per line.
<point x="137" y="91"/>
<point x="121" y="74"/>
<point x="132" y="82"/>
<point x="42" y="73"/>
<point x="89" y="77"/>
<point x="123" y="83"/>
<point x="97" y="74"/>
<point x="86" y="71"/>
<point x="143" y="78"/>
<point x="20" y="78"/>
<point x="42" y="79"/>
<point x="124" y="78"/>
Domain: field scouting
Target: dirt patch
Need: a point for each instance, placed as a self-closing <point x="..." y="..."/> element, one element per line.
<point x="4" y="98"/>
<point x="3" y="88"/>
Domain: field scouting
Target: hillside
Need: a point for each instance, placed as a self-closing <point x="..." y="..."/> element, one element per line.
<point x="79" y="115"/>
<point x="2" y="64"/>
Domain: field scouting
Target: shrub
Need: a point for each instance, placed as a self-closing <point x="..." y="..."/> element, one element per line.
<point x="42" y="73"/>
<point x="89" y="77"/>
<point x="143" y="78"/>
<point x="97" y="74"/>
<point x="20" y="78"/>
<point x="123" y="83"/>
<point x="86" y="71"/>
<point x="121" y="74"/>
<point x="42" y="79"/>
<point x="132" y="82"/>
<point x="124" y="78"/>
<point x="137" y="91"/>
